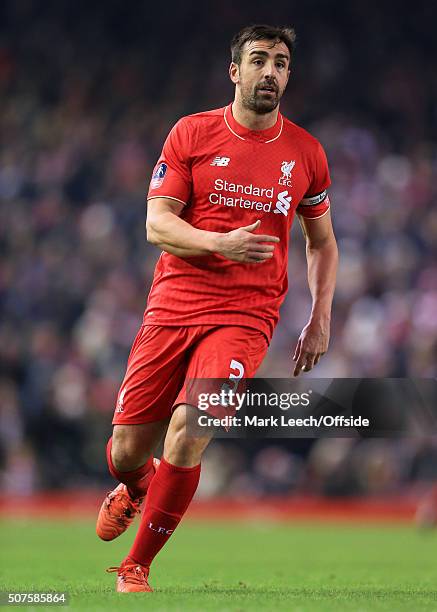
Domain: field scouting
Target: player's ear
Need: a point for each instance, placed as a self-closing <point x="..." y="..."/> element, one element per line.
<point x="234" y="72"/>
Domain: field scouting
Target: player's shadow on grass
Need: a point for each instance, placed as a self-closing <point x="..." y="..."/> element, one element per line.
<point x="326" y="592"/>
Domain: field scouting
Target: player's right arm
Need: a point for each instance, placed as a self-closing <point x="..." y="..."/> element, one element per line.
<point x="174" y="235"/>
<point x="171" y="189"/>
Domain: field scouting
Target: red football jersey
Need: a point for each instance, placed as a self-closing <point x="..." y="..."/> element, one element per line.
<point x="228" y="176"/>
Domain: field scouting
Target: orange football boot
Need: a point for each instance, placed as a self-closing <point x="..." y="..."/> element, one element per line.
<point x="118" y="511"/>
<point x="131" y="577"/>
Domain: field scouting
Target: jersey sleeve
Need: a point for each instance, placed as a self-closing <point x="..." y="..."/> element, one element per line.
<point x="316" y="203"/>
<point x="171" y="176"/>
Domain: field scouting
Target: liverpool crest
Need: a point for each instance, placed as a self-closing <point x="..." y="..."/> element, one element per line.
<point x="286" y="168"/>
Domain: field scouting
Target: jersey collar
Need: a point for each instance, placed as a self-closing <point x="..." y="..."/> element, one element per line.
<point x="244" y="133"/>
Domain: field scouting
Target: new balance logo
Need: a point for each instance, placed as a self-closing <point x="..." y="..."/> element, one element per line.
<point x="283" y="203"/>
<point x="220" y="161"/>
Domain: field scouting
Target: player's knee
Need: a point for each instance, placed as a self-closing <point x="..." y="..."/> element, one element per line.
<point x="185" y="451"/>
<point x="125" y="454"/>
<point x="182" y="446"/>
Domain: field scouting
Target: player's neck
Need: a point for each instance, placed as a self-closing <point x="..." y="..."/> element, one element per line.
<point x="251" y="120"/>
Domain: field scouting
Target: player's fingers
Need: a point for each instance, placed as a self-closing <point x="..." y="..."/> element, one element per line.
<point x="304" y="363"/>
<point x="253" y="259"/>
<point x="252" y="226"/>
<point x="319" y="356"/>
<point x="259" y="255"/>
<point x="299" y="363"/>
<point x="261" y="248"/>
<point x="298" y="367"/>
<point x="297" y="350"/>
<point x="265" y="238"/>
<point x="309" y="364"/>
<point x="255" y="256"/>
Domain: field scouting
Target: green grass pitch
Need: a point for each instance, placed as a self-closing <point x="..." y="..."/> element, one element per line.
<point x="230" y="566"/>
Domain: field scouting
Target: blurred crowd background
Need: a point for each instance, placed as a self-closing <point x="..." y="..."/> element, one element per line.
<point x="88" y="94"/>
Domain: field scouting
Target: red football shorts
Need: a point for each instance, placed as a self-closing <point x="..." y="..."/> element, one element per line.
<point x="162" y="358"/>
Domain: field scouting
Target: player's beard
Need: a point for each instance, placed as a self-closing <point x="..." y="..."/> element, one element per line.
<point x="259" y="102"/>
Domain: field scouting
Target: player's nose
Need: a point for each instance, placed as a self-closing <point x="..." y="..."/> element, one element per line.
<point x="269" y="69"/>
<point x="270" y="72"/>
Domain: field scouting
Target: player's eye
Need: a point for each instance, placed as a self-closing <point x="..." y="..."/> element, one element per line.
<point x="280" y="65"/>
<point x="258" y="62"/>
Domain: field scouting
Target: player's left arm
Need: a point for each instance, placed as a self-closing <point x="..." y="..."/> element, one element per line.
<point x="322" y="261"/>
<point x="157" y="212"/>
<point x="180" y="252"/>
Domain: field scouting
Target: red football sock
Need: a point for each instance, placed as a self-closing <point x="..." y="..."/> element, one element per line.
<point x="138" y="480"/>
<point x="167" y="500"/>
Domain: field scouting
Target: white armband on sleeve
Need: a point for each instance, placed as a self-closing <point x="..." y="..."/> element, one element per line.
<point x="315" y="199"/>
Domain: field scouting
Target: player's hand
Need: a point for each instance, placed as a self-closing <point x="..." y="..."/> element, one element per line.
<point x="243" y="245"/>
<point x="312" y="344"/>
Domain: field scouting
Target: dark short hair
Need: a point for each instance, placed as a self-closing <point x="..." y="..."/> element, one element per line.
<point x="261" y="32"/>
